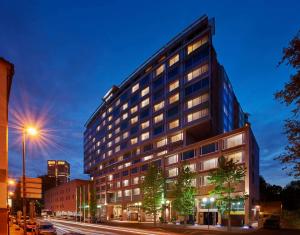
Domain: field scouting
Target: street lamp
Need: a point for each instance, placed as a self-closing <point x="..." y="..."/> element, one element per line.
<point x="208" y="201"/>
<point x="30" y="131"/>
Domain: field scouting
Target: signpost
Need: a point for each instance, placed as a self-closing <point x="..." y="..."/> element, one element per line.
<point x="33" y="188"/>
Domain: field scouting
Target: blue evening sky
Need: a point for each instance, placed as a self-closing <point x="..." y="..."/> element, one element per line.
<point x="67" y="54"/>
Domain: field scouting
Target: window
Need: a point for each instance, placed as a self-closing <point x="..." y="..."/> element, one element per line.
<point x="198" y="100"/>
<point x="134" y="170"/>
<point x="209" y="164"/>
<point x="197" y="115"/>
<point x="174" y="98"/>
<point x="145" y="136"/>
<point x="133" y="109"/>
<point x="173" y="172"/>
<point x="173" y="85"/>
<point x="172" y="159"/>
<point x="125" y="135"/>
<point x="159" y="70"/>
<point x="135" y="180"/>
<point x="125" y="182"/>
<point x="209" y="148"/>
<point x="117" y="149"/>
<point x="233" y="141"/>
<point x="197" y="72"/>
<point x="159" y="129"/>
<point x="148" y="147"/>
<point x="188" y="154"/>
<point x="110" y="118"/>
<point x="127" y="193"/>
<point x="117" y="130"/>
<point x="125" y="106"/>
<point x="145" y="113"/>
<point x="136" y="191"/>
<point x="119" y="193"/>
<point x="145" y="124"/>
<point x="192" y="167"/>
<point x="110" y="177"/>
<point x="161" y="143"/>
<point x="174" y="124"/>
<point x="174" y="60"/>
<point x="203" y="83"/>
<point x="145" y="102"/>
<point x="118" y="184"/>
<point x="203" y="180"/>
<point x="173" y="111"/>
<point x="134" y="119"/>
<point x="146" y="158"/>
<point x="159" y="106"/>
<point x="145" y="91"/>
<point x="127" y="164"/>
<point x="135" y="88"/>
<point x="237" y="157"/>
<point x="195" y="45"/>
<point x="134" y="140"/>
<point x="158" y="118"/>
<point x="176" y="138"/>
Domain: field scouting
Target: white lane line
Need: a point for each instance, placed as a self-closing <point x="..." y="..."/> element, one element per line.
<point x="81" y="230"/>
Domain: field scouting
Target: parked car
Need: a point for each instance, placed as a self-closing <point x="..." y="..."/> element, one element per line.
<point x="31" y="226"/>
<point x="45" y="228"/>
<point x="273" y="222"/>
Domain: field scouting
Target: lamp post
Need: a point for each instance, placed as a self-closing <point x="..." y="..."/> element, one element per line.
<point x="208" y="201"/>
<point x="31" y="131"/>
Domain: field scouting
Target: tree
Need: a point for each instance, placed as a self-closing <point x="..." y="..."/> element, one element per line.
<point x="184" y="193"/>
<point x="290" y="95"/>
<point x="152" y="188"/>
<point x="225" y="178"/>
<point x="290" y="196"/>
<point x="269" y="192"/>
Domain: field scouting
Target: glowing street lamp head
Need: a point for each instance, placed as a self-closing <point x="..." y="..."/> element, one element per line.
<point x="204" y="200"/>
<point x="11" y="193"/>
<point x="11" y="182"/>
<point x="31" y="131"/>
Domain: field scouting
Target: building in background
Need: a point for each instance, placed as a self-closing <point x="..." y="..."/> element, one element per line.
<point x="59" y="170"/>
<point x="62" y="200"/>
<point x="6" y="75"/>
<point x="178" y="108"/>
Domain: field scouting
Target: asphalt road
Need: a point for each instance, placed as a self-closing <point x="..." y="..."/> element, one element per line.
<point x="99" y="229"/>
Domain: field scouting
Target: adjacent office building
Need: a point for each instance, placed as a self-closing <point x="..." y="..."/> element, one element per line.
<point x="6" y="75"/>
<point x="59" y="171"/>
<point x="178" y="108"/>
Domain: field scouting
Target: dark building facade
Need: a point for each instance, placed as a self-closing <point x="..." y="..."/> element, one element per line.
<point x="177" y="108"/>
<point x="59" y="171"/>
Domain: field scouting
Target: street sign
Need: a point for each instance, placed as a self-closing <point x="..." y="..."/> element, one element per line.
<point x="33" y="188"/>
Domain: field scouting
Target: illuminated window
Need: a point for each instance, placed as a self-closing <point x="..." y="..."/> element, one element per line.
<point x="197" y="115"/>
<point x="127" y="193"/>
<point x="198" y="100"/>
<point x="109" y="127"/>
<point x="117" y="139"/>
<point x="125" y="106"/>
<point x="110" y="177"/>
<point x="120" y="167"/>
<point x="162" y="153"/>
<point x="134" y="140"/>
<point x="174" y="60"/>
<point x="109" y="144"/>
<point x="136" y="191"/>
<point x="125" y="182"/>
<point x="203" y="180"/>
<point x="135" y="180"/>
<point x="134" y="120"/>
<point x="145" y="102"/>
<point x="174" y="98"/>
<point x="117" y="149"/>
<point x="124" y="116"/>
<point x="98" y="128"/>
<point x="173" y="85"/>
<point x="146" y="158"/>
<point x="109" y="153"/>
<point x="125" y="135"/>
<point x="117" y="130"/>
<point x="145" y="136"/>
<point x="135" y="88"/>
<point x="145" y="91"/>
<point x="103" y="115"/>
<point x="161" y="143"/>
<point x="159" y="106"/>
<point x="117" y="103"/>
<point x="172" y="159"/>
<point x="145" y="124"/>
<point x="176" y="138"/>
<point x="110" y="118"/>
<point x="158" y="118"/>
<point x="209" y="164"/>
<point x="192" y="167"/>
<point x="197" y="72"/>
<point x="127" y="164"/>
<point x="233" y="141"/>
<point x="160" y="69"/>
<point x="133" y="109"/>
<point x="192" y="47"/>
<point x="110" y="109"/>
<point x="109" y="135"/>
<point x="119" y="193"/>
<point x="237" y="157"/>
<point x="173" y="172"/>
<point x="174" y="124"/>
<point x="117" y="121"/>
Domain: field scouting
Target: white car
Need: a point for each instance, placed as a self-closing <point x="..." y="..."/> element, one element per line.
<point x="45" y="228"/>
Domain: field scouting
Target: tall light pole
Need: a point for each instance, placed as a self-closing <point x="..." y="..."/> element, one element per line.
<point x="208" y="201"/>
<point x="31" y="131"/>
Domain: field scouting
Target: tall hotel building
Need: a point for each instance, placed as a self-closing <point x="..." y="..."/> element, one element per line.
<point x="59" y="171"/>
<point x="178" y="108"/>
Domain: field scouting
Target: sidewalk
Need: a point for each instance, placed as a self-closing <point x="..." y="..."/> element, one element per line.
<point x="13" y="231"/>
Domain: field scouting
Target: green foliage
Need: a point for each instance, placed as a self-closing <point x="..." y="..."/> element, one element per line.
<point x="152" y="188"/>
<point x="184" y="193"/>
<point x="225" y="178"/>
<point x="290" y="95"/>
